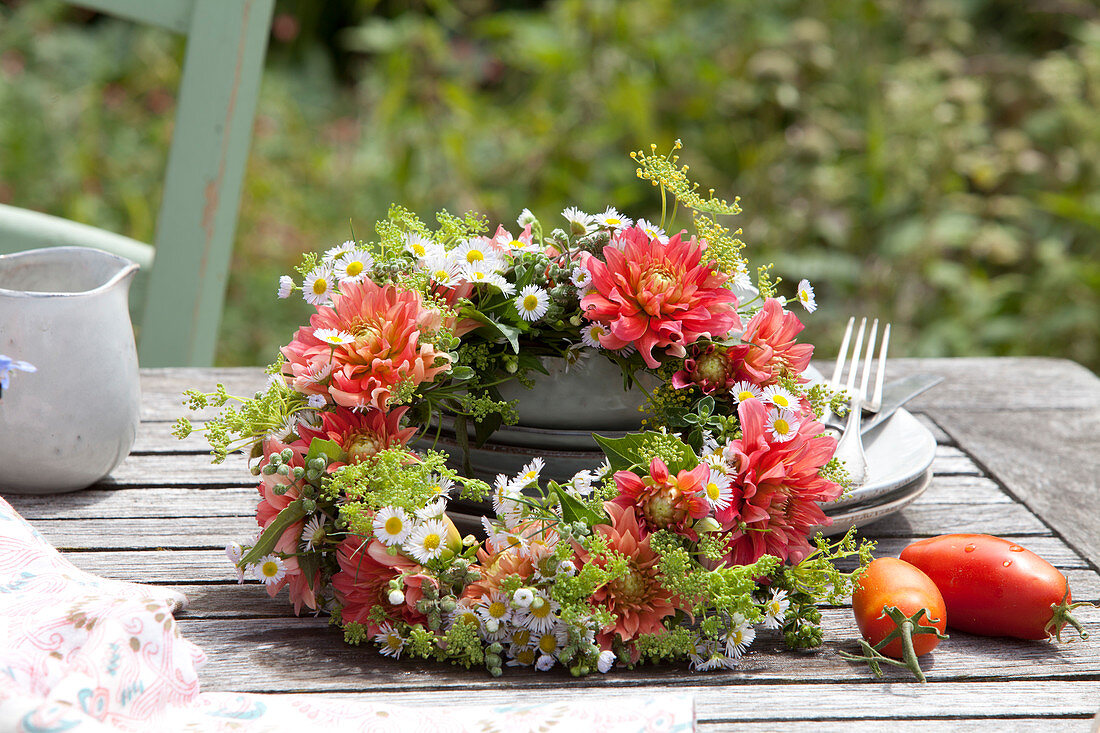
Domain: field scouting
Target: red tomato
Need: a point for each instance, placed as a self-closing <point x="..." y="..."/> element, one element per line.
<point x="891" y="582"/>
<point x="994" y="587"/>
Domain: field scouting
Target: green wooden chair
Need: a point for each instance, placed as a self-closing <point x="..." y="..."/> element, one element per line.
<point x="188" y="267"/>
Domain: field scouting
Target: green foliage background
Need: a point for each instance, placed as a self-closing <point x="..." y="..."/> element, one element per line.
<point x="935" y="163"/>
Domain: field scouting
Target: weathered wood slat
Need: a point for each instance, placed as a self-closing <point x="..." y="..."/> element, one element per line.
<point x="179" y="470"/>
<point x="1054" y="550"/>
<point x="137" y="503"/>
<point x="1049" y="459"/>
<point x="921" y="519"/>
<point x="162" y="389"/>
<point x="1082" y="724"/>
<point x="955" y="489"/>
<point x="952" y="461"/>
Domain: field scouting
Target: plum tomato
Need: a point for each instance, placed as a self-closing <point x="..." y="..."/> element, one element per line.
<point x="889" y="582"/>
<point x="994" y="587"/>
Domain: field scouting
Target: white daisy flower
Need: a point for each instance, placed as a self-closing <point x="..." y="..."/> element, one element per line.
<point x="523" y="598"/>
<point x="580" y="223"/>
<point x="499" y="538"/>
<point x="741" y="279"/>
<point x="390" y="642"/>
<point x="708" y="657"/>
<point x="581" y="483"/>
<point x="652" y="231"/>
<point x="541" y="616"/>
<point x="318" y="286"/>
<point x="432" y="509"/>
<point x="783" y="425"/>
<point x="602" y="471"/>
<point x="613" y="220"/>
<point x="494" y="605"/>
<point x="427" y="541"/>
<point x="318" y="373"/>
<point x="740" y="635"/>
<point x="718" y="490"/>
<point x="545" y="663"/>
<point x="337" y="252"/>
<point x="505" y="494"/>
<point x="235" y="552"/>
<point x="313" y="533"/>
<point x="520" y="638"/>
<point x="806" y="296"/>
<point x="420" y="246"/>
<point x="354" y="266"/>
<point x="552" y="641"/>
<point x="286" y="286"/>
<point x="270" y="569"/>
<point x="443" y="269"/>
<point x="742" y="391"/>
<point x="775" y="609"/>
<point x="334" y="336"/>
<point x="580" y="277"/>
<point x="591" y="334"/>
<point x="525" y="218"/>
<point x="529" y="474"/>
<point x="626" y="350"/>
<point x="440" y="486"/>
<point x="532" y="303"/>
<point x="606" y="661"/>
<point x="392" y="526"/>
<point x="479" y="254"/>
<point x="781" y="398"/>
<point x="477" y="275"/>
<point x="465" y="612"/>
<point x="567" y="568"/>
<point x="316" y="401"/>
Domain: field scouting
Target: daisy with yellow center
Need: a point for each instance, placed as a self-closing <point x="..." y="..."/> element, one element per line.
<point x="612" y="219"/>
<point x="806" y="296"/>
<point x="270" y="569"/>
<point x="390" y="642"/>
<point x="427" y="541"/>
<point x="782" y="425"/>
<point x="742" y="391"/>
<point x="532" y="303"/>
<point x="521" y="657"/>
<point x="541" y="616"/>
<point x="718" y="490"/>
<point x="529" y="474"/>
<point x="740" y="635"/>
<point x="334" y="337"/>
<point x="775" y="610"/>
<point x="318" y="286"/>
<point x="494" y="605"/>
<point x="335" y="253"/>
<point x="592" y="333"/>
<point x="313" y="533"/>
<point x="392" y="526"/>
<point x="354" y="266"/>
<point x="781" y="398"/>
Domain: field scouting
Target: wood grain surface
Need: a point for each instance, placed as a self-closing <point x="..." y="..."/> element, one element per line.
<point x="1018" y="456"/>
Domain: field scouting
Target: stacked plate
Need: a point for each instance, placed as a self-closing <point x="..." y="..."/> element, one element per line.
<point x="899" y="455"/>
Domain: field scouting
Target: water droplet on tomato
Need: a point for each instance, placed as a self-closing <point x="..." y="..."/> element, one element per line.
<point x="1015" y="548"/>
<point x="969" y="548"/>
<point x="1006" y="563"/>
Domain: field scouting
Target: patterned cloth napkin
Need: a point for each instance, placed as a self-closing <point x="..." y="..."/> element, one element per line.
<point x="84" y="653"/>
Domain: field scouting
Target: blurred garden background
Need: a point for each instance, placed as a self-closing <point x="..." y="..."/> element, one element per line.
<point x="935" y="163"/>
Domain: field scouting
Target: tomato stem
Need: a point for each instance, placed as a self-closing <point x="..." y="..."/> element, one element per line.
<point x="1061" y="616"/>
<point x="907" y="627"/>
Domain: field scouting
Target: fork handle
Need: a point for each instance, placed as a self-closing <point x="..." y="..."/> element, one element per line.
<point x="850" y="448"/>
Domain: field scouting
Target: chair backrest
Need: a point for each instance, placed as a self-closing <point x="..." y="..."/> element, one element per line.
<point x="216" y="104"/>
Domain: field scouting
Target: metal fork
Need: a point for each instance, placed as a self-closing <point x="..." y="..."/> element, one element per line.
<point x="850" y="447"/>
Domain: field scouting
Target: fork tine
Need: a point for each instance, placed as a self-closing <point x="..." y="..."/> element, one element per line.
<point x="880" y="377"/>
<point x="842" y="355"/>
<point x="854" y="366"/>
<point x="868" y="359"/>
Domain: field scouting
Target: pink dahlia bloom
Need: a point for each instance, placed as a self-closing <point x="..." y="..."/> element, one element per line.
<point x="657" y="296"/>
<point x="711" y="368"/>
<point x="664" y="501"/>
<point x="636" y="600"/>
<point x="770" y="349"/>
<point x="776" y="489"/>
<point x="361" y="435"/>
<point x="363" y="583"/>
<point x="387" y="324"/>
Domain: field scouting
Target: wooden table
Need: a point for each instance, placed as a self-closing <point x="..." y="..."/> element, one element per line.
<point x="1019" y="457"/>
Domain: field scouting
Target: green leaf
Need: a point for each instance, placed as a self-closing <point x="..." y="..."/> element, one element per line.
<point x="330" y="449"/>
<point x="630" y="451"/>
<point x="574" y="510"/>
<point x="309" y="563"/>
<point x="293" y="512"/>
<point x="462" y="373"/>
<point x="511" y="333"/>
<point x="486" y="427"/>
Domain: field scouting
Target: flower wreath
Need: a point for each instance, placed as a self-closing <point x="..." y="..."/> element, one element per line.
<point x="691" y="533"/>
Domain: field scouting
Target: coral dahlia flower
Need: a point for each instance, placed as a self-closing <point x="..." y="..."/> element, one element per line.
<point x="387" y="324"/>
<point x="362" y="583"/>
<point x="664" y="501"/>
<point x="637" y="600"/>
<point x="657" y="296"/>
<point x="361" y="435"/>
<point x="770" y="348"/>
<point x="776" y="488"/>
<point x="710" y="368"/>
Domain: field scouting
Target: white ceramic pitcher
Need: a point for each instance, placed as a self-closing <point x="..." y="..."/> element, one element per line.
<point x="70" y="423"/>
